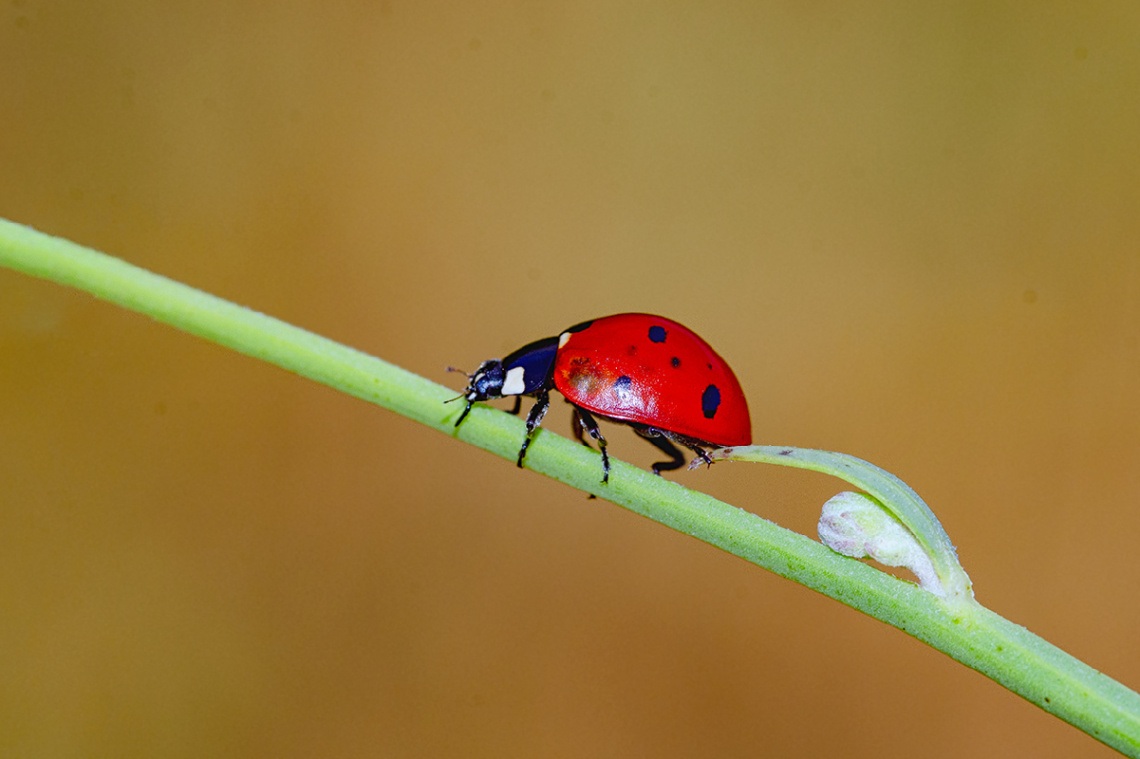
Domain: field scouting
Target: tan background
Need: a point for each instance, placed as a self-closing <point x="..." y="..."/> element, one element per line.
<point x="912" y="230"/>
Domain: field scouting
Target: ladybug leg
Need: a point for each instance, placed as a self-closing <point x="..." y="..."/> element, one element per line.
<point x="533" y="420"/>
<point x="576" y="426"/>
<point x="586" y="422"/>
<point x="665" y="445"/>
<point x="466" y="411"/>
<point x="517" y="407"/>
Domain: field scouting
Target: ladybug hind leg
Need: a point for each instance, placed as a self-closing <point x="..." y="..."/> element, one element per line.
<point x="667" y="443"/>
<point x="584" y="422"/>
<point x="702" y="455"/>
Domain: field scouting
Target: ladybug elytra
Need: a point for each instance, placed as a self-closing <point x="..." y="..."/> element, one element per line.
<point x="651" y="373"/>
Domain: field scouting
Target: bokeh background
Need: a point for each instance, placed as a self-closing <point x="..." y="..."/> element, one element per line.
<point x="912" y="229"/>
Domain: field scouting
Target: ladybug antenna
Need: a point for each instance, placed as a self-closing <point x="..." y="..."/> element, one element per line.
<point x="464" y="393"/>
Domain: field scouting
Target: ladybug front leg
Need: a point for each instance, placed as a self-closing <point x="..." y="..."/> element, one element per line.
<point x="589" y="424"/>
<point x="533" y="421"/>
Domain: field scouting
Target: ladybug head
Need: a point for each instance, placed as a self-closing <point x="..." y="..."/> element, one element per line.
<point x="485" y="384"/>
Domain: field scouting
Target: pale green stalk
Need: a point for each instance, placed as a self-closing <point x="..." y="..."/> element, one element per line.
<point x="961" y="628"/>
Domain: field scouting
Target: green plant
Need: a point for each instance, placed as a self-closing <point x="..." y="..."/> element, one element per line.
<point x="943" y="613"/>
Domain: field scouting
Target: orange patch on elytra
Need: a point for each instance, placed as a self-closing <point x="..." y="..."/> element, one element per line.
<point x="585" y="382"/>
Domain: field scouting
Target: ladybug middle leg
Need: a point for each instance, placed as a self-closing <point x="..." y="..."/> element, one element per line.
<point x="584" y="422"/>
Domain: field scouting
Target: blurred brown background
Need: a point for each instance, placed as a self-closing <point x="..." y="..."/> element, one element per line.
<point x="912" y="231"/>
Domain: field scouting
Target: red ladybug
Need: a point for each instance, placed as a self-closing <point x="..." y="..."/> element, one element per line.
<point x="646" y="371"/>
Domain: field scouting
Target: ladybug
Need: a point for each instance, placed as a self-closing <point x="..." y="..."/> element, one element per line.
<point x="651" y="373"/>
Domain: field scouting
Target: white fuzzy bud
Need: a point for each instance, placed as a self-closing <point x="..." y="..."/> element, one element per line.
<point x="855" y="525"/>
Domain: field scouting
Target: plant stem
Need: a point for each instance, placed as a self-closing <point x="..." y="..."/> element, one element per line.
<point x="971" y="634"/>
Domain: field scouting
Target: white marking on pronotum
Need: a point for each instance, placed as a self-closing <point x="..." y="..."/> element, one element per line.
<point x="563" y="338"/>
<point x="515" y="382"/>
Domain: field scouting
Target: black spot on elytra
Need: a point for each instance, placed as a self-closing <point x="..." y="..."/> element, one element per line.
<point x="710" y="401"/>
<point x="675" y="362"/>
<point x="657" y="333"/>
<point x="622" y="387"/>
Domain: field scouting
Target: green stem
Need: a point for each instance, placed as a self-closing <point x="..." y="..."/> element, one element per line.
<point x="975" y="636"/>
